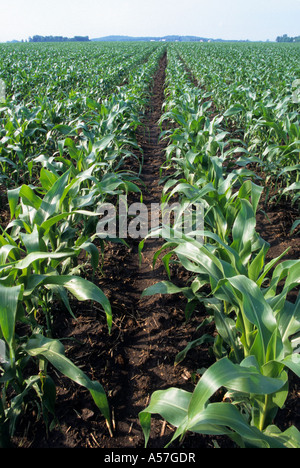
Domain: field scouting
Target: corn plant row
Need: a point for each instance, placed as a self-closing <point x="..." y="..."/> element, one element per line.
<point x="53" y="222"/>
<point x="257" y="90"/>
<point x="257" y="325"/>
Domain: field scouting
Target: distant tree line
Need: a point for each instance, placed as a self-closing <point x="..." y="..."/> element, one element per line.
<point x="286" y="38"/>
<point x="58" y="39"/>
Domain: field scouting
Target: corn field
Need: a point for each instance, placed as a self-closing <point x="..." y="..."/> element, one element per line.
<point x="168" y="339"/>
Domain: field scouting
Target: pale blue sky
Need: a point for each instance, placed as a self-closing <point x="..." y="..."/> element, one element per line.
<point x="226" y="19"/>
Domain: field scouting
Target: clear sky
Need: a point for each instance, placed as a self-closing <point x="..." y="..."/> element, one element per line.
<point x="226" y="19"/>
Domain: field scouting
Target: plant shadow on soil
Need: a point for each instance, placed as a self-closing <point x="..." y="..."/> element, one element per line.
<point x="138" y="356"/>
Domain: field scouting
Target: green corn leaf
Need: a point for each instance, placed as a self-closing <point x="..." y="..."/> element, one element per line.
<point x="27" y="196"/>
<point x="257" y="311"/>
<point x="236" y="377"/>
<point x="90" y="248"/>
<point x="289" y="438"/>
<point x="257" y="265"/>
<point x="293" y="362"/>
<point x="32" y="241"/>
<point x="243" y="231"/>
<point x="104" y="143"/>
<point x="52" y="200"/>
<point x="65" y="129"/>
<point x="163" y="287"/>
<point x="288" y="319"/>
<point x="53" y="351"/>
<point x="9" y="251"/>
<point x="171" y="404"/>
<point x="47" y="178"/>
<point x="217" y="418"/>
<point x="34" y="256"/>
<point x="249" y="189"/>
<point x="295" y="225"/>
<point x="191" y="345"/>
<point x="236" y="109"/>
<point x="9" y="298"/>
<point x="79" y="287"/>
<point x="18" y="401"/>
<point x="190" y="412"/>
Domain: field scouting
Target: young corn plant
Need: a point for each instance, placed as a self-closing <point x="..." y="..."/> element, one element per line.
<point x="258" y="331"/>
<point x="31" y="355"/>
<point x="194" y="412"/>
<point x="37" y="269"/>
<point x="33" y="277"/>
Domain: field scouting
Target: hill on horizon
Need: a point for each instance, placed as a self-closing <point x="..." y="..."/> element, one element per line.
<point x="156" y="38"/>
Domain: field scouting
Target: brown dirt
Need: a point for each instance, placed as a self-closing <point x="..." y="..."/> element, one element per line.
<point x="4" y="208"/>
<point x="138" y="357"/>
<point x="274" y="223"/>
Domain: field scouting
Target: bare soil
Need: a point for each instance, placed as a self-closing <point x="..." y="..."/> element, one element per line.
<point x="137" y="358"/>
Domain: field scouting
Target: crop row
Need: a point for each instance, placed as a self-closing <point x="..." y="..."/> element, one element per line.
<point x="256" y="339"/>
<point x="52" y="233"/>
